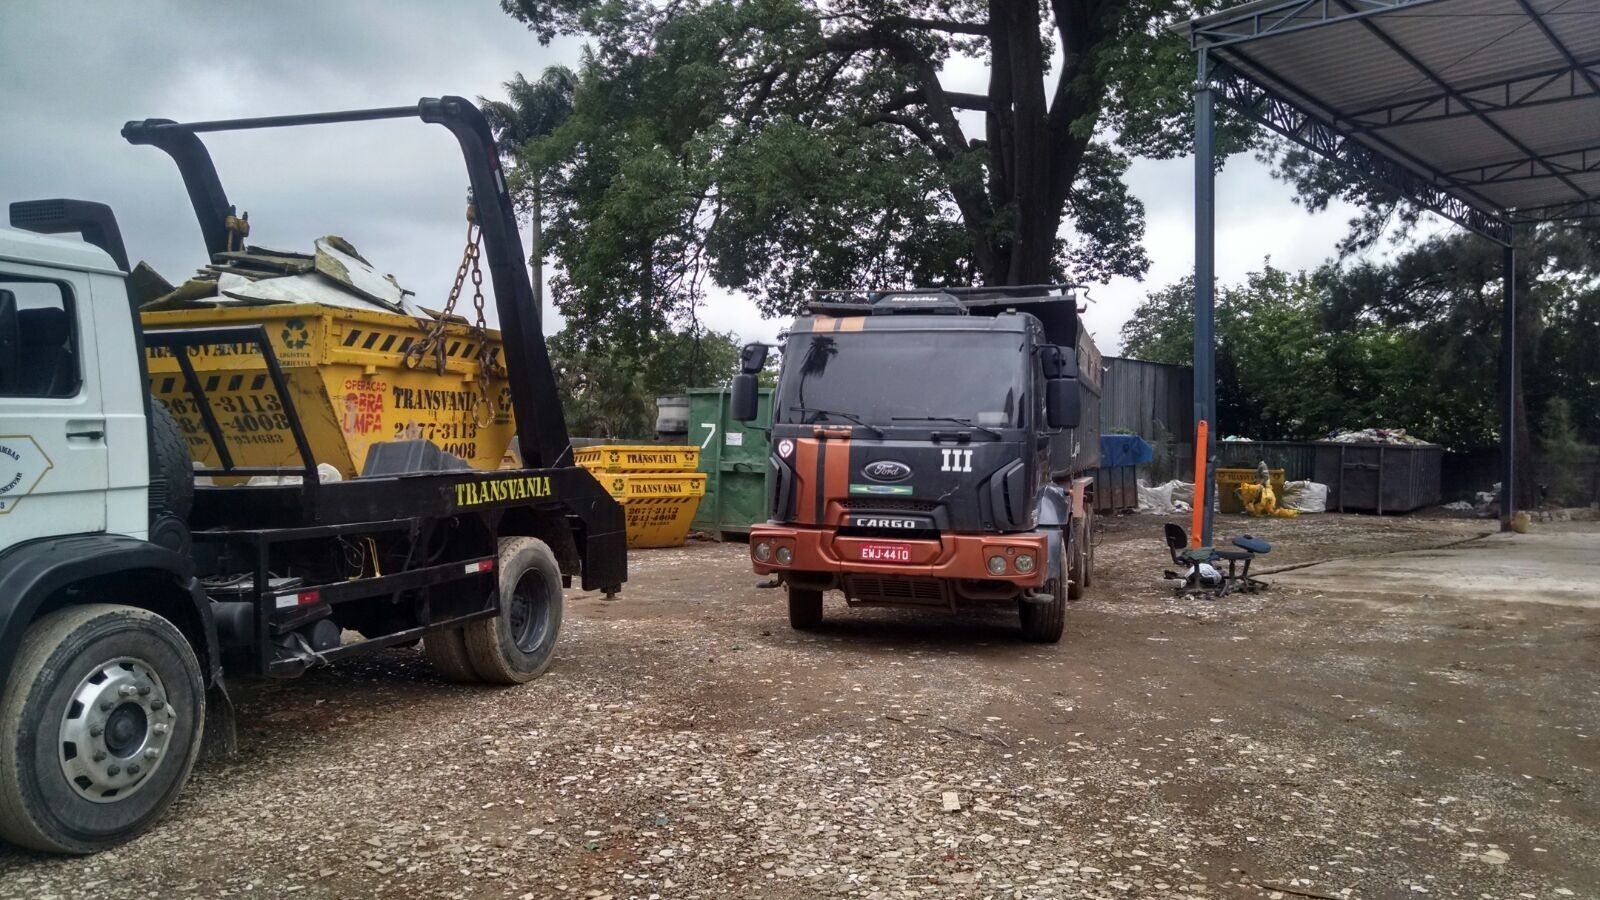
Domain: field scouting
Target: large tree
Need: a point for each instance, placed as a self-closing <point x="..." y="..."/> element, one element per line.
<point x="778" y="146"/>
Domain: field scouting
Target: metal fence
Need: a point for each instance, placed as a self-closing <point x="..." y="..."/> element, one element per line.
<point x="1156" y="402"/>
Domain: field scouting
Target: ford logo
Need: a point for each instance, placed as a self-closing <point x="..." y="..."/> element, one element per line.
<point x="887" y="470"/>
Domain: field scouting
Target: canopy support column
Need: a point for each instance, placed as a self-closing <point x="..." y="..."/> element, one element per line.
<point x="1509" y="371"/>
<point x="1205" y="218"/>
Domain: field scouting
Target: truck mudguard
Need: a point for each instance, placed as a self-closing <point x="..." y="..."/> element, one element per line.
<point x="30" y="573"/>
<point x="1055" y="514"/>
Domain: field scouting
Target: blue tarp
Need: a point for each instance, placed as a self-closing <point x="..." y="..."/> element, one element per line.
<point x="1125" y="450"/>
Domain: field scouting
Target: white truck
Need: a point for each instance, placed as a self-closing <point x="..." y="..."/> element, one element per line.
<point x="128" y="593"/>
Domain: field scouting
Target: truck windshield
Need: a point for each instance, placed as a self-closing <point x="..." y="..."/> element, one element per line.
<point x="890" y="377"/>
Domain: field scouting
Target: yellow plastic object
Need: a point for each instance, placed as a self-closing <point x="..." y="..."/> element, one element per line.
<point x="659" y="507"/>
<point x="1261" y="501"/>
<point x="1228" y="481"/>
<point x="638" y="457"/>
<point x="347" y="381"/>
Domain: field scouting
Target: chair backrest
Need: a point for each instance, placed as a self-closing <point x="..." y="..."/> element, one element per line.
<point x="1177" y="539"/>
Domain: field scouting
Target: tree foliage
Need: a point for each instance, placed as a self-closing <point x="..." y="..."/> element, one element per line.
<point x="778" y="146"/>
<point x="610" y="392"/>
<point x="1412" y="342"/>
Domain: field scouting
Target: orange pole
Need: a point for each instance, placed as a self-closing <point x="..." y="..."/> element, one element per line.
<point x="1201" y="433"/>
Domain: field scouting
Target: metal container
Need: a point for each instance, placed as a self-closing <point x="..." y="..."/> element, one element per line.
<point x="1380" y="478"/>
<point x="658" y="506"/>
<point x="349" y="381"/>
<point x="733" y="455"/>
<point x="672" y="416"/>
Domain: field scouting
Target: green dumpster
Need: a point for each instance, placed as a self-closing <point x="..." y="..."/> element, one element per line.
<point x="733" y="455"/>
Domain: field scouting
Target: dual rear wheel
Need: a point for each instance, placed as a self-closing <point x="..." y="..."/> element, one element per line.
<point x="518" y="645"/>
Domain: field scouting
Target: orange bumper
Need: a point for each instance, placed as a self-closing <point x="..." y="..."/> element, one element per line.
<point x="823" y="551"/>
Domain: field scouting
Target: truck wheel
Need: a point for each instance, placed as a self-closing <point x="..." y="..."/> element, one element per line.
<point x="171" y="472"/>
<point x="447" y="653"/>
<point x="1044" y="622"/>
<point x="1078" y="561"/>
<point x="805" y="608"/>
<point x="1088" y="548"/>
<point x="520" y="643"/>
<point x="100" y="724"/>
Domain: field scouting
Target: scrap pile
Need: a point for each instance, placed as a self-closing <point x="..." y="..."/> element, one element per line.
<point x="1375" y="436"/>
<point x="333" y="275"/>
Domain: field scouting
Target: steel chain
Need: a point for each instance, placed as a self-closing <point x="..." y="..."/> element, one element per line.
<point x="434" y="340"/>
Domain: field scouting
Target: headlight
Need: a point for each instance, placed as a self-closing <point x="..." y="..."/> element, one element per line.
<point x="997" y="565"/>
<point x="1024" y="563"/>
<point x="785" y="556"/>
<point x="762" y="551"/>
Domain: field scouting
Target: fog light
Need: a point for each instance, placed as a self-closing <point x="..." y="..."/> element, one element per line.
<point x="762" y="551"/>
<point x="785" y="556"/>
<point x="1024" y="563"/>
<point x="997" y="565"/>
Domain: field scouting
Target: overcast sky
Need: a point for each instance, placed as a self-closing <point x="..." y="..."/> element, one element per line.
<point x="71" y="72"/>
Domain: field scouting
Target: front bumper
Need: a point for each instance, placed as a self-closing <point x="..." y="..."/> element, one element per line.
<point x="823" y="555"/>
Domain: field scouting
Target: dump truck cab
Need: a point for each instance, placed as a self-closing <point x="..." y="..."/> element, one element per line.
<point x="928" y="450"/>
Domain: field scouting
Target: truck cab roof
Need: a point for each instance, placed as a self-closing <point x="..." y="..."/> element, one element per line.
<point x="29" y="247"/>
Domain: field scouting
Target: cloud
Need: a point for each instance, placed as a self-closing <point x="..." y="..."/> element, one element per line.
<point x="74" y="71"/>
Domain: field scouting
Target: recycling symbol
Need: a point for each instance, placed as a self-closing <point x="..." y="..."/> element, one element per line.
<point x="618" y="485"/>
<point x="295" y="334"/>
<point x="616" y="457"/>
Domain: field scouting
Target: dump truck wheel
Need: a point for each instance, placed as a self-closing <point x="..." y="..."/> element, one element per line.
<point x="1088" y="547"/>
<point x="805" y="608"/>
<point x="447" y="653"/>
<point x="1077" y="561"/>
<point x="100" y="724"/>
<point x="171" y="472"/>
<point x="520" y="643"/>
<point x="1044" y="622"/>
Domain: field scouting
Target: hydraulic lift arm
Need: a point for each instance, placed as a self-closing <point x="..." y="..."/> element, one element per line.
<point x="534" y="399"/>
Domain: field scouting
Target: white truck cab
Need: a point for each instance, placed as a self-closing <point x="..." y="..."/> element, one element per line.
<point x="73" y="450"/>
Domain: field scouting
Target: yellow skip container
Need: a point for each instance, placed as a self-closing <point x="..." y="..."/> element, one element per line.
<point x="659" y="507"/>
<point x="349" y="383"/>
<point x="638" y="458"/>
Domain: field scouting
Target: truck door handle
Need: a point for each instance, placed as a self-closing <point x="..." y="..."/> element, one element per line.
<point x="86" y="431"/>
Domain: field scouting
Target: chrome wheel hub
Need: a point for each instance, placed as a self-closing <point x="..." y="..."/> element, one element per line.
<point x="116" y="730"/>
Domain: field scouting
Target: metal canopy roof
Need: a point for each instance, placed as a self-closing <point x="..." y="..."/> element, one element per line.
<point x="1485" y="111"/>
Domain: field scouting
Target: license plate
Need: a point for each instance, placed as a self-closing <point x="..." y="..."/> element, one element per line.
<point x="886" y="552"/>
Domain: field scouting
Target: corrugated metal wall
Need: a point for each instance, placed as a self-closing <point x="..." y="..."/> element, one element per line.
<point x="1156" y="402"/>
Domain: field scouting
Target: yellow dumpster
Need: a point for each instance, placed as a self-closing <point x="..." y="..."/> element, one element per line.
<point x="659" y="507"/>
<point x="349" y="383"/>
<point x="638" y="458"/>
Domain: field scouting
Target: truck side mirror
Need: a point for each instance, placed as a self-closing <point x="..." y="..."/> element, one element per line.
<point x="1063" y="402"/>
<point x="10" y="342"/>
<point x="742" y="405"/>
<point x="752" y="358"/>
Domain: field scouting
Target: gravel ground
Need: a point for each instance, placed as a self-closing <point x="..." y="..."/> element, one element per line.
<point x="687" y="743"/>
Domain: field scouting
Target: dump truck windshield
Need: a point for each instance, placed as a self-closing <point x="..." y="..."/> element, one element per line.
<point x="977" y="378"/>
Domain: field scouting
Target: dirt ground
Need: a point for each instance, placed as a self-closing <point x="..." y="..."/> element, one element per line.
<point x="1399" y="720"/>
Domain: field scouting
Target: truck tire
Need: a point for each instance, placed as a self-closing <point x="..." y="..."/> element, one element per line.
<point x="100" y="724"/>
<point x="1088" y="547"/>
<point x="171" y="471"/>
<point x="519" y="644"/>
<point x="1078" y="560"/>
<point x="805" y="608"/>
<point x="447" y="653"/>
<point x="1044" y="622"/>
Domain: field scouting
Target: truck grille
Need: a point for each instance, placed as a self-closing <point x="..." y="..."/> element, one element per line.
<point x="891" y="506"/>
<point x="898" y="591"/>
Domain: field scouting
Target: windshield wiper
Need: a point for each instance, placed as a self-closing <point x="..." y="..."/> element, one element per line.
<point x="967" y="422"/>
<point x="851" y="417"/>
